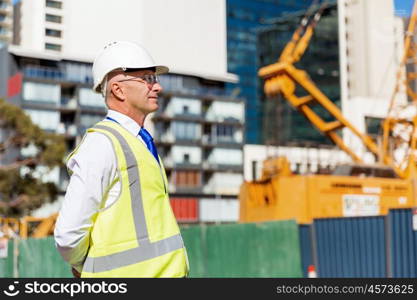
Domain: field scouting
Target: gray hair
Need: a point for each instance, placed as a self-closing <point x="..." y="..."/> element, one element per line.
<point x="104" y="87"/>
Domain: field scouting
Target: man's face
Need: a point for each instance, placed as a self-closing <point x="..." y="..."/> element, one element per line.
<point x="141" y="95"/>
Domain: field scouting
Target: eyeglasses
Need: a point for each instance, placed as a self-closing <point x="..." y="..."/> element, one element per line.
<point x="150" y="79"/>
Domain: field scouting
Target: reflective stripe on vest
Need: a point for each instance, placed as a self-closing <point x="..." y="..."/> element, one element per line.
<point x="146" y="249"/>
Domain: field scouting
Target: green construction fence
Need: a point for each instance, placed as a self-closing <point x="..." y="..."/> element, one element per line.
<point x="269" y="249"/>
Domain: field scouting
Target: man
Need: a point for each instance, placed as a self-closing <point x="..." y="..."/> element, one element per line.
<point x="116" y="219"/>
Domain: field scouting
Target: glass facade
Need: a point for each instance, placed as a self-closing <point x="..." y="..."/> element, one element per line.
<point x="243" y="18"/>
<point x="283" y="124"/>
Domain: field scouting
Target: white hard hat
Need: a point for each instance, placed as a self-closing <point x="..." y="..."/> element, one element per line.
<point x="122" y="55"/>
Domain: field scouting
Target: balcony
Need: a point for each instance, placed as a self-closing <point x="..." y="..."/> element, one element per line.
<point x="64" y="103"/>
<point x="169" y="138"/>
<point x="185" y="189"/>
<point x="68" y="102"/>
<point x="43" y="73"/>
<point x="213" y="117"/>
<point x="5" y="32"/>
<point x="187" y="165"/>
<point x="67" y="129"/>
<point x="219" y="190"/>
<point x="5" y="38"/>
<point x="221" y="167"/>
<point x="187" y="141"/>
<point x="168" y="116"/>
<point x="216" y="141"/>
<point x="201" y="92"/>
<point x="55" y="74"/>
<point x="5" y="8"/>
<point x="187" y="116"/>
<point x="5" y="22"/>
<point x="169" y="163"/>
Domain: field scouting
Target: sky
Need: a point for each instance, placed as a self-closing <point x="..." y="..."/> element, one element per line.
<point x="403" y="7"/>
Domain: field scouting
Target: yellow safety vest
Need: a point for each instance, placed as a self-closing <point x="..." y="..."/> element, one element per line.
<point x="138" y="235"/>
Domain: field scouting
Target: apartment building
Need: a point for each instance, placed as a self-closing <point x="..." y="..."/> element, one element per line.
<point x="199" y="127"/>
<point x="6" y="21"/>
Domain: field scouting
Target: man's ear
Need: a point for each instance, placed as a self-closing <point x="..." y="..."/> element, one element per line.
<point x="117" y="90"/>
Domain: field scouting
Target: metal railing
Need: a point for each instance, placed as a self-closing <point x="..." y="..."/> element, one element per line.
<point x="55" y="74"/>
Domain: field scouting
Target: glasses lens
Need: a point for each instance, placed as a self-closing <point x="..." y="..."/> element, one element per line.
<point x="151" y="79"/>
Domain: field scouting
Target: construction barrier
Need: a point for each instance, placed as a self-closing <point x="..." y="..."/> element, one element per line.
<point x="268" y="249"/>
<point x="6" y="258"/>
<point x="375" y="246"/>
<point x="351" y="247"/>
<point x="402" y="238"/>
<point x="32" y="258"/>
<point x="306" y="247"/>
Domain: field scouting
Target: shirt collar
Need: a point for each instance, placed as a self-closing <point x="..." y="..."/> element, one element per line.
<point x="126" y="122"/>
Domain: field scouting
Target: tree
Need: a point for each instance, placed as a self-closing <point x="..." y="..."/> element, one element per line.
<point x="21" y="192"/>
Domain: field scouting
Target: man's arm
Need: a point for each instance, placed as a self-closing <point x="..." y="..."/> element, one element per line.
<point x="93" y="167"/>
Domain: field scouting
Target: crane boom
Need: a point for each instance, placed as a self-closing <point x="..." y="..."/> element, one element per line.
<point x="283" y="77"/>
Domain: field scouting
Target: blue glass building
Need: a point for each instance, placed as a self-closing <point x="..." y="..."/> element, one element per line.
<point x="281" y="123"/>
<point x="244" y="17"/>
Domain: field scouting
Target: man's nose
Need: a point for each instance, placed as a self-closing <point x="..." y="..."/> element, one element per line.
<point x="157" y="87"/>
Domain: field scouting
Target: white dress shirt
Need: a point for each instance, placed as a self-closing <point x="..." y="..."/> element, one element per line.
<point x="89" y="191"/>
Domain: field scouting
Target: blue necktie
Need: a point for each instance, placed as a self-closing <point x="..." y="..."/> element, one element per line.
<point x="147" y="138"/>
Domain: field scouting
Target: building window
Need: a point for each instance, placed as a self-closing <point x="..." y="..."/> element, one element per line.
<point x="53" y="33"/>
<point x="186" y="130"/>
<point x="88" y="120"/>
<point x="225" y="133"/>
<point x="53" y="4"/>
<point x="47" y="120"/>
<point x="88" y="97"/>
<point x="187" y="178"/>
<point x="53" y="18"/>
<point x="41" y="92"/>
<point x="55" y="47"/>
<point x="186" y="158"/>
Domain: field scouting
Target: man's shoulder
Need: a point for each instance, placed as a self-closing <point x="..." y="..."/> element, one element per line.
<point x="94" y="139"/>
<point x="94" y="146"/>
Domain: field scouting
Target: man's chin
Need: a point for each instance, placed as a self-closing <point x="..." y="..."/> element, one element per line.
<point x="153" y="108"/>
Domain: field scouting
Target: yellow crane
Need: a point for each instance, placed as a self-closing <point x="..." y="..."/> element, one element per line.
<point x="279" y="194"/>
<point x="28" y="226"/>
